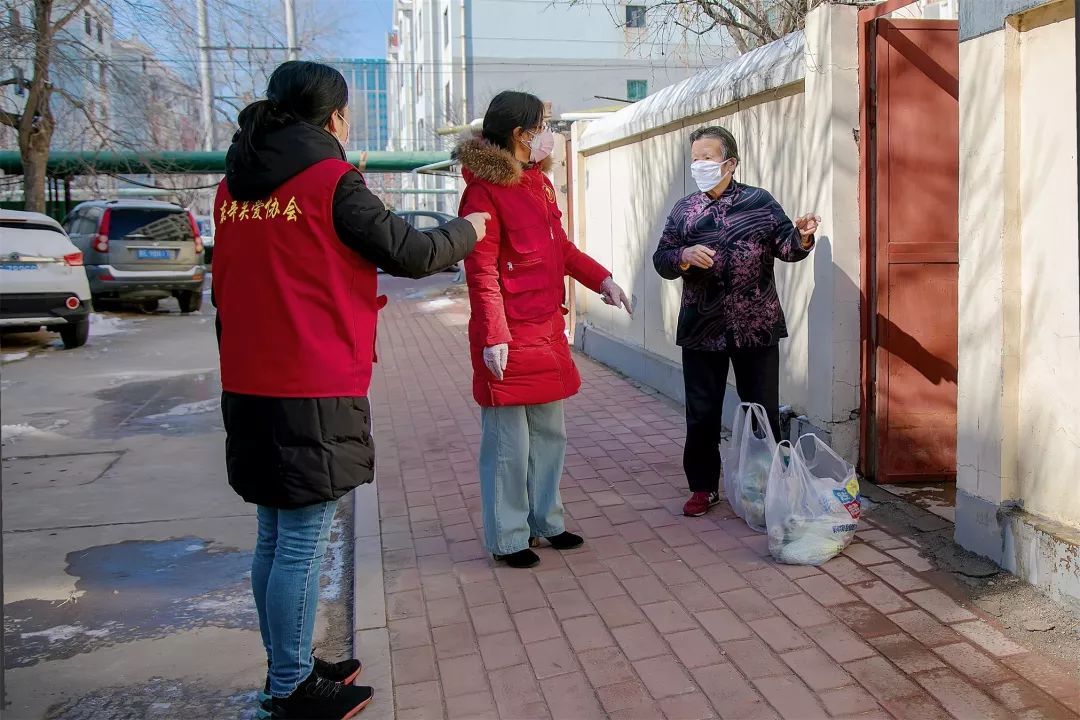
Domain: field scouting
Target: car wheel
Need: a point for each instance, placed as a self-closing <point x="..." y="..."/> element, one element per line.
<point x="149" y="306"/>
<point x="189" y="301"/>
<point x="75" y="335"/>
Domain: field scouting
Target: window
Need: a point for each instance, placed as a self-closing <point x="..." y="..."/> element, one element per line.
<point x="144" y="63"/>
<point x="101" y="74"/>
<point x="635" y="16"/>
<point x="13" y="17"/>
<point x="419" y="26"/>
<point x="637" y="90"/>
<point x="419" y="79"/>
<point x="87" y="23"/>
<point x="420" y="135"/>
<point x="100" y="34"/>
<point x="85" y="223"/>
<point x="446" y="26"/>
<point x="446" y="103"/>
<point x="423" y="221"/>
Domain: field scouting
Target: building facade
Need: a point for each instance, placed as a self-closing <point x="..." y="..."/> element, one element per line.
<point x="448" y="58"/>
<point x="153" y="106"/>
<point x="82" y="57"/>
<point x="369" y="102"/>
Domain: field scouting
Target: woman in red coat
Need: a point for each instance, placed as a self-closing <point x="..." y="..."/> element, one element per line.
<point x="522" y="369"/>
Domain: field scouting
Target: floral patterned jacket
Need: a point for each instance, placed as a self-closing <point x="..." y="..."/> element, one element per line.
<point x="734" y="303"/>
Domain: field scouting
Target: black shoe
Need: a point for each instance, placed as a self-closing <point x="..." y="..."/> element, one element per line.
<point x="343" y="672"/>
<point x="522" y="559"/>
<point x="321" y="699"/>
<point x="566" y="541"/>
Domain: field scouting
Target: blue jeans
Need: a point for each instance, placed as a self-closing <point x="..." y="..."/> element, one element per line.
<point x="285" y="581"/>
<point x="522" y="449"/>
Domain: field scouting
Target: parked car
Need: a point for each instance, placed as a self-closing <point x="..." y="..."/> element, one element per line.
<point x="206" y="231"/>
<point x="42" y="278"/>
<point x="427" y="220"/>
<point x="140" y="251"/>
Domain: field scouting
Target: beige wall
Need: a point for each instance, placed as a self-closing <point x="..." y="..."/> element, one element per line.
<point x="1019" y="341"/>
<point x="1049" y="373"/>
<point x="796" y="141"/>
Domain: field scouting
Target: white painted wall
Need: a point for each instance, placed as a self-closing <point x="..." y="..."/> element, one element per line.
<point x="1019" y="323"/>
<point x="584" y="30"/>
<point x="791" y="107"/>
<point x="1049" y="422"/>
<point x="572" y="85"/>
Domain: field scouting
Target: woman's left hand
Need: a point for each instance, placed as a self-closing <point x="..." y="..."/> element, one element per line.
<point x="807" y="225"/>
<point x="613" y="295"/>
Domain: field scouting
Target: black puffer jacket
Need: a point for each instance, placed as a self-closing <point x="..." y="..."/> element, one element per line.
<point x="269" y="439"/>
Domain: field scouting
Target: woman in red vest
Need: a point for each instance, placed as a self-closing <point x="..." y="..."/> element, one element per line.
<point x="299" y="237"/>
<point x="521" y="359"/>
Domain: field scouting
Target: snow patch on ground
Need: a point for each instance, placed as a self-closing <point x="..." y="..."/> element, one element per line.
<point x="15" y="357"/>
<point x="334" y="568"/>
<point x="436" y="305"/>
<point x="105" y="325"/>
<point x="14" y="432"/>
<point x="59" y="633"/>
<point x="193" y="408"/>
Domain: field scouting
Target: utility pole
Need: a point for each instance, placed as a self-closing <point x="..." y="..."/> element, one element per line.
<point x="206" y="83"/>
<point x="290" y="30"/>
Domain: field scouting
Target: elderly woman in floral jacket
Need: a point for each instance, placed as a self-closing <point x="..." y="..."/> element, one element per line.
<point x="723" y="241"/>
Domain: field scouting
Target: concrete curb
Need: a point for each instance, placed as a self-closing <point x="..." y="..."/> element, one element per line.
<point x="371" y="638"/>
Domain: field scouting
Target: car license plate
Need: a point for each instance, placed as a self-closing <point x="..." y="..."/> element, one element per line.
<point x="18" y="267"/>
<point x="153" y="254"/>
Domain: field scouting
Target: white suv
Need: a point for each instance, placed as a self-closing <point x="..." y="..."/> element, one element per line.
<point x="42" y="278"/>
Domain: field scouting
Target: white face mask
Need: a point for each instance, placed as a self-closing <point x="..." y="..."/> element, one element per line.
<point x="344" y="143"/>
<point x="541" y="145"/>
<point x="708" y="174"/>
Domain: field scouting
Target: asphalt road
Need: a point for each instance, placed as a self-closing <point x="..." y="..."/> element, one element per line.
<point x="126" y="555"/>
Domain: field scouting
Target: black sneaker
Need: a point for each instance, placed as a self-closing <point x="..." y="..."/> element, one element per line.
<point x="566" y="541"/>
<point x="321" y="699"/>
<point x="522" y="559"/>
<point x="344" y="672"/>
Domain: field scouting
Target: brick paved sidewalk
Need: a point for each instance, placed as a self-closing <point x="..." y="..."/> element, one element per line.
<point x="658" y="616"/>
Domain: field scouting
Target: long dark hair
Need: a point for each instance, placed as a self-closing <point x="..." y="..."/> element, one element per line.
<point x="298" y="91"/>
<point x="508" y="111"/>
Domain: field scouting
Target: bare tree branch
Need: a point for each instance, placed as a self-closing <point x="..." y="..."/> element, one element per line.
<point x="77" y="8"/>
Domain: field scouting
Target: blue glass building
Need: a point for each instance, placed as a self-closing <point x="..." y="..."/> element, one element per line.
<point x="369" y="127"/>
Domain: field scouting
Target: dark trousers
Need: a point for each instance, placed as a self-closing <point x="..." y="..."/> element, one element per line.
<point x="757" y="379"/>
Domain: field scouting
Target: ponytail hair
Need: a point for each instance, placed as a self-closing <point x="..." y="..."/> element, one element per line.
<point x="298" y="91"/>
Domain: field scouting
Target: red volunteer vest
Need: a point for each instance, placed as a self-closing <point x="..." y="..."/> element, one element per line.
<point x="298" y="309"/>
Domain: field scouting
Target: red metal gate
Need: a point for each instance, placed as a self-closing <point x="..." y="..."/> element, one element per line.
<point x="910" y="204"/>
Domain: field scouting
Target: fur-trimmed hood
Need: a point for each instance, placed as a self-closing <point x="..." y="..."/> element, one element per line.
<point x="490" y="163"/>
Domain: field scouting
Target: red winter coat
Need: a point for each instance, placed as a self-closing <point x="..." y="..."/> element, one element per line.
<point x="516" y="279"/>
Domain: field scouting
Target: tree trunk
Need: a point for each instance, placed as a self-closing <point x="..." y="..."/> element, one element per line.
<point x="37" y="124"/>
<point x="35" y="158"/>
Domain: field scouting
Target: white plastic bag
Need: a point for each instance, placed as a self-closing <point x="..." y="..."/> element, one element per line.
<point x="811" y="504"/>
<point x="746" y="464"/>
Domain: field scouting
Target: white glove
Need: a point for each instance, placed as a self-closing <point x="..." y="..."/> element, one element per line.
<point x="613" y="295"/>
<point x="495" y="359"/>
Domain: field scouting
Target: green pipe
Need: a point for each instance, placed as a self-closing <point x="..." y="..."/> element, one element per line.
<point x="62" y="162"/>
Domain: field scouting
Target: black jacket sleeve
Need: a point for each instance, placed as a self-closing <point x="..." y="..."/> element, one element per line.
<point x="364" y="224"/>
<point x="217" y="317"/>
